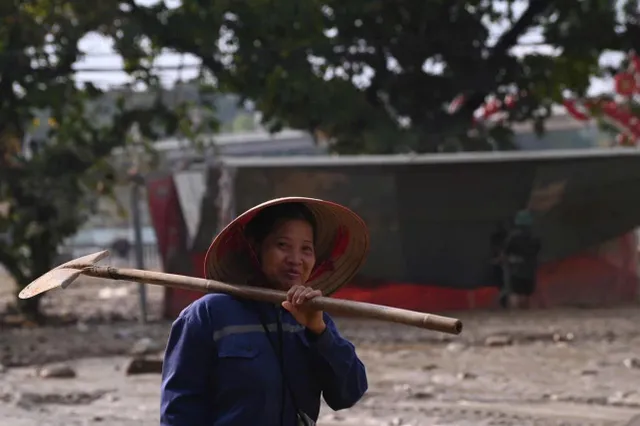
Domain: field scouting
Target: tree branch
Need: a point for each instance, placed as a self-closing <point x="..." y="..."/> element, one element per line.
<point x="485" y="82"/>
<point x="170" y="38"/>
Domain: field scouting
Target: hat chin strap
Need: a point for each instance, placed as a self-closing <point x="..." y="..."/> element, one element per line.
<point x="255" y="260"/>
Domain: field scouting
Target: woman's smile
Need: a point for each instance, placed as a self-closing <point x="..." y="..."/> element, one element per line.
<point x="293" y="274"/>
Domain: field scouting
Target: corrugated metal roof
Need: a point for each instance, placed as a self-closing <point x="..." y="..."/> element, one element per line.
<point x="250" y="143"/>
<point x="444" y="158"/>
<point x="248" y="138"/>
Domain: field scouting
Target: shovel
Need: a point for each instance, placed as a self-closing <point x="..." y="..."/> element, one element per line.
<point x="65" y="274"/>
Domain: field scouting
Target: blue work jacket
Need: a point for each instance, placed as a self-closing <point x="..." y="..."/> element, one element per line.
<point x="220" y="368"/>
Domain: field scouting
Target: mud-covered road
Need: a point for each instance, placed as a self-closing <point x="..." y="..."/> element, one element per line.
<point x="559" y="367"/>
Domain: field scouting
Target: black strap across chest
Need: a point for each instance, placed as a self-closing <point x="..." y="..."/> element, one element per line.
<point x="279" y="351"/>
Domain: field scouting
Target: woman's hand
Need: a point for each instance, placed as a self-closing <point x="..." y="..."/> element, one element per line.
<point x="296" y="303"/>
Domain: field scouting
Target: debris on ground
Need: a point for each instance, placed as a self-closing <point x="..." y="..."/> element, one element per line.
<point x="631" y="363"/>
<point x="60" y="371"/>
<point x="145" y="346"/>
<point x="499" y="340"/>
<point x="143" y="366"/>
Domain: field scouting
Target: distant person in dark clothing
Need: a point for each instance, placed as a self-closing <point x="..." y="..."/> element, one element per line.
<point x="520" y="255"/>
<point x="498" y="238"/>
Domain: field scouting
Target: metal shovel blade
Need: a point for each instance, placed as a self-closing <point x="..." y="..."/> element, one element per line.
<point x="52" y="279"/>
<point x="89" y="259"/>
<point x="62" y="276"/>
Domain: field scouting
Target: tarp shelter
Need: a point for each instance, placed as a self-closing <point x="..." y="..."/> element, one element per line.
<point x="431" y="216"/>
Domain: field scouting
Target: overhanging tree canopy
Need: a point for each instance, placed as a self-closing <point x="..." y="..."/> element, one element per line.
<point x="48" y="183"/>
<point x="304" y="63"/>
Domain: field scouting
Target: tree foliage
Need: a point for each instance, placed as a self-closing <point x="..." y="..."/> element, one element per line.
<point x="303" y="62"/>
<point x="51" y="178"/>
<point x="373" y="76"/>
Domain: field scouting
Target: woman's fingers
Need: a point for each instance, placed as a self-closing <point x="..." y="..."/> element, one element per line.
<point x="291" y="293"/>
<point x="309" y="294"/>
<point x="312" y="294"/>
<point x="294" y="293"/>
<point x="299" y="295"/>
<point x="303" y="295"/>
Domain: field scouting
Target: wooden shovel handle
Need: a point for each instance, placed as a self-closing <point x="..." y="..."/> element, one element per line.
<point x="330" y="305"/>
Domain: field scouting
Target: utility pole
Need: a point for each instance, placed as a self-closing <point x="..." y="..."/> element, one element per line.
<point x="137" y="180"/>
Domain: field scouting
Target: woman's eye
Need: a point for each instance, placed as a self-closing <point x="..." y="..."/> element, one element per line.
<point x="307" y="249"/>
<point x="282" y="245"/>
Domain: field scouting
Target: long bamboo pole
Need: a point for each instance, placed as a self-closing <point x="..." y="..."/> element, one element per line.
<point x="65" y="274"/>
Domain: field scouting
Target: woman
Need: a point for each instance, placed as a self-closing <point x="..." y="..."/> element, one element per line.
<point x="237" y="362"/>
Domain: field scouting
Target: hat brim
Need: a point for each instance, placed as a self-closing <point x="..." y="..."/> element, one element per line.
<point x="342" y="244"/>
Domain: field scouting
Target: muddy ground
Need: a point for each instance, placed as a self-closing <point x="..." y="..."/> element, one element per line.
<point x="557" y="367"/>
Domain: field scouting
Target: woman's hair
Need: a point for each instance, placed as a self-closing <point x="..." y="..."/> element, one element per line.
<point x="266" y="220"/>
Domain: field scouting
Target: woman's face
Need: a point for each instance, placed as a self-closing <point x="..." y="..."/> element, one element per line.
<point x="287" y="254"/>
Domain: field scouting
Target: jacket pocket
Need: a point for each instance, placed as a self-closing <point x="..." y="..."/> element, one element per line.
<point x="240" y="369"/>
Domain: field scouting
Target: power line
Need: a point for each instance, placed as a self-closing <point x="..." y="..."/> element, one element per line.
<point x="89" y="55"/>
<point x="180" y="67"/>
<point x="152" y="68"/>
<point x="84" y="54"/>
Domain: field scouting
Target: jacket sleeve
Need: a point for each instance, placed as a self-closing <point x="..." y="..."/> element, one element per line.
<point x="341" y="373"/>
<point x="186" y="390"/>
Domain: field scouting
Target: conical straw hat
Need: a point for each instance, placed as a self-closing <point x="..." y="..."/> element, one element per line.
<point x="341" y="246"/>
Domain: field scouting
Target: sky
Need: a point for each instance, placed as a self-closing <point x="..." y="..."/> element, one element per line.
<point x="101" y="55"/>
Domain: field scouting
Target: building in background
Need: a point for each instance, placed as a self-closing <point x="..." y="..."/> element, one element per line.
<point x="114" y="219"/>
